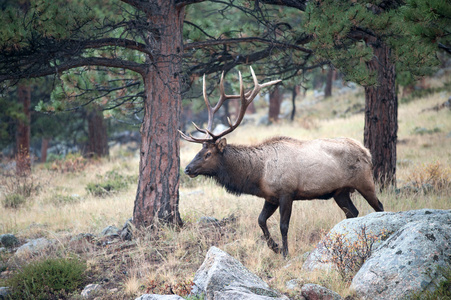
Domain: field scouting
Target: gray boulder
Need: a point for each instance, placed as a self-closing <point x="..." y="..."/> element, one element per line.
<point x="413" y="245"/>
<point x="406" y="263"/>
<point x="4" y="291"/>
<point x="110" y="231"/>
<point x="91" y="290"/>
<point x="383" y="224"/>
<point x="34" y="247"/>
<point x="316" y="292"/>
<point x="223" y="277"/>
<point x="126" y="233"/>
<point x="159" y="297"/>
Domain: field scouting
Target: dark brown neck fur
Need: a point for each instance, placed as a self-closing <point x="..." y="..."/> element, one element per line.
<point x="241" y="169"/>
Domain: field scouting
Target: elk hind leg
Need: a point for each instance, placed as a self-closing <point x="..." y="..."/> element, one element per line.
<point x="344" y="201"/>
<point x="267" y="211"/>
<point x="369" y="193"/>
<point x="371" y="198"/>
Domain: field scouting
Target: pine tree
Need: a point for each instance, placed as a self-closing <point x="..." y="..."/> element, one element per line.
<point x="369" y="41"/>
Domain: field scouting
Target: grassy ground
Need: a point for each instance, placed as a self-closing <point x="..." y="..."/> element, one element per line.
<point x="166" y="259"/>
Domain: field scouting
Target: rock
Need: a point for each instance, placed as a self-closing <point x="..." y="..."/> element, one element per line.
<point x="382" y="224"/>
<point x="208" y="220"/>
<point x="316" y="292"/>
<point x="110" y="231"/>
<point x="33" y="247"/>
<point x="407" y="262"/>
<point x="81" y="237"/>
<point x="91" y="290"/>
<point x="4" y="291"/>
<point x="8" y="240"/>
<point x="159" y="297"/>
<point x="412" y="247"/>
<point x="222" y="277"/>
<point x="126" y="233"/>
<point x="293" y="284"/>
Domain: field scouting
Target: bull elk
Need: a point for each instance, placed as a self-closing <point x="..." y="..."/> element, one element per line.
<point x="282" y="169"/>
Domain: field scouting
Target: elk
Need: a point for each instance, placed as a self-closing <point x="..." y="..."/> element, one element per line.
<point x="282" y="169"/>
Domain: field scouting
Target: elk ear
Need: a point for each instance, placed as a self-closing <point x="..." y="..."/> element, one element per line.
<point x="221" y="143"/>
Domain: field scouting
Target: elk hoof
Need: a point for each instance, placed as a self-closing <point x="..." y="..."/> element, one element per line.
<point x="274" y="246"/>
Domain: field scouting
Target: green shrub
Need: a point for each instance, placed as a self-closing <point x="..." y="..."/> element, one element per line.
<point x="112" y="182"/>
<point x="17" y="188"/>
<point x="14" y="200"/>
<point x="47" y="279"/>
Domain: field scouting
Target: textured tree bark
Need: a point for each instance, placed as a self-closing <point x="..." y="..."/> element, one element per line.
<point x="381" y="116"/>
<point x="23" y="160"/>
<point x="157" y="197"/>
<point x="329" y="82"/>
<point x="44" y="147"/>
<point x="97" y="133"/>
<point x="275" y="99"/>
<point x="294" y="93"/>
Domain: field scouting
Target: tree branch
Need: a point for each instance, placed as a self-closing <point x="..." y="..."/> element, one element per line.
<point x="244" y="40"/>
<point x="105" y="42"/>
<point x="445" y="48"/>
<point x="80" y="62"/>
<point x="299" y="4"/>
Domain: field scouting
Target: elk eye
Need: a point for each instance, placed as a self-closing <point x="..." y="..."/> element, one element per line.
<point x="207" y="155"/>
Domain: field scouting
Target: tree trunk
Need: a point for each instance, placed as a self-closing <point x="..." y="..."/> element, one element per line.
<point x="23" y="160"/>
<point x="44" y="147"/>
<point x="294" y="93"/>
<point x="157" y="197"/>
<point x="275" y="99"/>
<point x="381" y="116"/>
<point x="329" y="82"/>
<point x="97" y="133"/>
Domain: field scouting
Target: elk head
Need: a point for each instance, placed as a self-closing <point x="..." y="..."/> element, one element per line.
<point x="206" y="162"/>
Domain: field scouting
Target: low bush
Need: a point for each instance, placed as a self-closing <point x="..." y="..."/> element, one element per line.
<point x="17" y="188"/>
<point x="111" y="182"/>
<point x="436" y="176"/>
<point x="13" y="201"/>
<point x="72" y="163"/>
<point x="348" y="256"/>
<point x="47" y="279"/>
<point x="160" y="286"/>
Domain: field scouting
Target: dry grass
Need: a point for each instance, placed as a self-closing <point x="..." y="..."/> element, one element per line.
<point x="167" y="258"/>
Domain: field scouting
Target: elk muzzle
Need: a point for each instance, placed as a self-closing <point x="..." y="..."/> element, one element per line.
<point x="189" y="172"/>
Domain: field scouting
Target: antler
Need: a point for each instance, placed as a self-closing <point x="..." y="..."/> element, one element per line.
<point x="246" y="99"/>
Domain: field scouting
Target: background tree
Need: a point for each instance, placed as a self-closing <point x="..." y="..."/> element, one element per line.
<point x="368" y="41"/>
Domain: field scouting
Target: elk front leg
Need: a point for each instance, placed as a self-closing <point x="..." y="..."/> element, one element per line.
<point x="267" y="211"/>
<point x="286" y="204"/>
